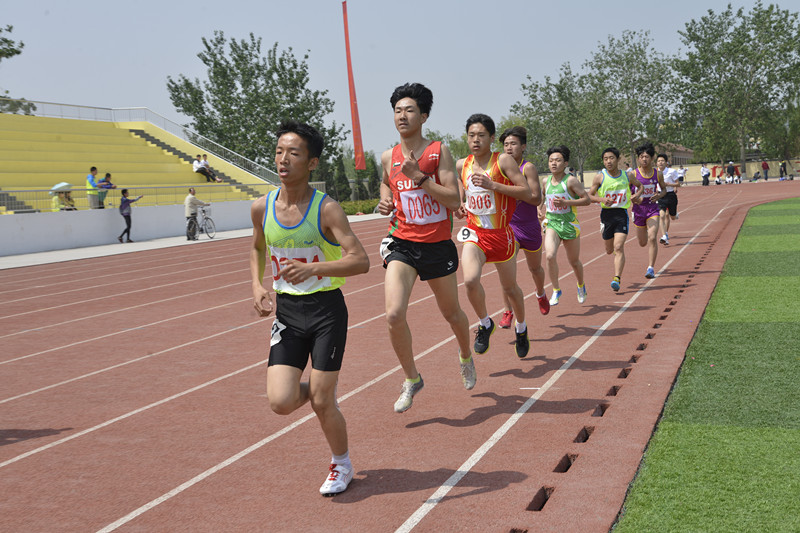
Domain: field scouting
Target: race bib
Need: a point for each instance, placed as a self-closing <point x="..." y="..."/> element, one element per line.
<point x="649" y="190"/>
<point x="304" y="255"/>
<point x="421" y="208"/>
<point x="481" y="202"/>
<point x="551" y="204"/>
<point x="617" y="198"/>
<point x="466" y="234"/>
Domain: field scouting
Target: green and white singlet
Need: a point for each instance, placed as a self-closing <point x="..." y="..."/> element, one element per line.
<point x="564" y="220"/>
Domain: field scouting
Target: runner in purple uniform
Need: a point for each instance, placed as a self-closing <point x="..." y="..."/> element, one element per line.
<point x="645" y="209"/>
<point x="525" y="221"/>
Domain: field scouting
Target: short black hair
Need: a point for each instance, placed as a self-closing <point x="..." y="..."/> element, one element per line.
<point x="417" y="92"/>
<point x="108" y="174"/>
<point x="480" y="118"/>
<point x="612" y="150"/>
<point x="92" y="169"/>
<point x="517" y="131"/>
<point x="123" y="192"/>
<point x="560" y="149"/>
<point x="666" y="159"/>
<point x="647" y="148"/>
<point x="314" y="141"/>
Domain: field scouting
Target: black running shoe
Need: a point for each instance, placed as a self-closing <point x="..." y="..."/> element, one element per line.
<point x="482" y="337"/>
<point x="522" y="344"/>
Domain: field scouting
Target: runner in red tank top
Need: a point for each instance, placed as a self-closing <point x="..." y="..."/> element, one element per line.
<point x="419" y="191"/>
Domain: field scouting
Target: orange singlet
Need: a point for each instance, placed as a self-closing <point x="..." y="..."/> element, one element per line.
<point x="487" y="209"/>
<point x="418" y="216"/>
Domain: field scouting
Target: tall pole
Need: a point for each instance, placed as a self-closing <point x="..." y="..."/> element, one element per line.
<point x="357" y="146"/>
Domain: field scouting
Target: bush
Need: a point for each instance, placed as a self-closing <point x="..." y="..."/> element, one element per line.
<point x="359" y="206"/>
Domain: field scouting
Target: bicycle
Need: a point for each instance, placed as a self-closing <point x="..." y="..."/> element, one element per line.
<point x="205" y="224"/>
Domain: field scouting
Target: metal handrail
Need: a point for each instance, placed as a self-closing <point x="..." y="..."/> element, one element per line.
<point x="136" y="114"/>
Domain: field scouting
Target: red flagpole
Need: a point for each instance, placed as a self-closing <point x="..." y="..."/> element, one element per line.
<point x="357" y="146"/>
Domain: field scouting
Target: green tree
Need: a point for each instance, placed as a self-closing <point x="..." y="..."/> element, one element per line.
<point x="739" y="71"/>
<point x="458" y="145"/>
<point x="8" y="49"/>
<point x="337" y="183"/>
<point x="247" y="95"/>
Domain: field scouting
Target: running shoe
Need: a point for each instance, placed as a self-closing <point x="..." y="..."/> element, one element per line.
<point x="664" y="239"/>
<point x="505" y="322"/>
<point x="119" y="239"/>
<point x="468" y="374"/>
<point x="482" y="337"/>
<point x="406" y="398"/>
<point x="650" y="274"/>
<point x="555" y="297"/>
<point x="339" y="477"/>
<point x="615" y="284"/>
<point x="582" y="294"/>
<point x="522" y="344"/>
<point x="544" y="304"/>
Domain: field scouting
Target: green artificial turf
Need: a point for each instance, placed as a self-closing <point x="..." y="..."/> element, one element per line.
<point x="726" y="455"/>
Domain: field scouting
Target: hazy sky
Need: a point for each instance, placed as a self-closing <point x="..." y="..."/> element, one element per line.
<point x="474" y="55"/>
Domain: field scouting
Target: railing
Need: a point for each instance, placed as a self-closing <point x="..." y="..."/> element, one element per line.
<point x="41" y="200"/>
<point x="137" y="114"/>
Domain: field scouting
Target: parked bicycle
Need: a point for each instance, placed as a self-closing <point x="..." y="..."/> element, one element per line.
<point x="205" y="224"/>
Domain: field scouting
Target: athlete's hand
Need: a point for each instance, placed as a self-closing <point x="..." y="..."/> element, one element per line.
<point x="608" y="201"/>
<point x="386" y="206"/>
<point x="461" y="212"/>
<point x="262" y="301"/>
<point x="560" y="202"/>
<point x="483" y="181"/>
<point x="410" y="168"/>
<point x="294" y="271"/>
<point x="636" y="199"/>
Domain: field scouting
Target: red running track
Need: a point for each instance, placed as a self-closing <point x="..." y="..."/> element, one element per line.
<point x="133" y="393"/>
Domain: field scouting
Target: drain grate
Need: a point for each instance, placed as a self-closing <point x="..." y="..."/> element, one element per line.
<point x="613" y="390"/>
<point x="601" y="409"/>
<point x="584" y="434"/>
<point x="624" y="373"/>
<point x="565" y="463"/>
<point x="541" y="497"/>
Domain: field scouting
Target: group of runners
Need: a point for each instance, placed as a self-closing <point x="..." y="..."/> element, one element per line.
<point x="307" y="241"/>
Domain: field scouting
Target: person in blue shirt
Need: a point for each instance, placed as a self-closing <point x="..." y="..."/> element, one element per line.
<point x="125" y="211"/>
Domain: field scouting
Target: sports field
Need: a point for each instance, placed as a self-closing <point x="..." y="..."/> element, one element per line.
<point x="726" y="454"/>
<point x="133" y="392"/>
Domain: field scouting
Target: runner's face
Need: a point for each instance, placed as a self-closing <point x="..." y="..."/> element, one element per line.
<point x="407" y="116"/>
<point x="514" y="148"/>
<point x="645" y="160"/>
<point x="291" y="157"/>
<point x="661" y="163"/>
<point x="556" y="163"/>
<point x="610" y="161"/>
<point x="479" y="139"/>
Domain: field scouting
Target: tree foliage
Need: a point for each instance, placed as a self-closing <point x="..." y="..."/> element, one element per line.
<point x="740" y="76"/>
<point x="247" y="95"/>
<point x="8" y="49"/>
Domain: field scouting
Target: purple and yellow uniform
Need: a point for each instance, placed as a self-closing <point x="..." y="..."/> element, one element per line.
<point x="648" y="208"/>
<point x="525" y="224"/>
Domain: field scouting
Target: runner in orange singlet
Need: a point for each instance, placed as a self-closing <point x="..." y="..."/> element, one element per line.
<point x="492" y="184"/>
<point x="420" y="191"/>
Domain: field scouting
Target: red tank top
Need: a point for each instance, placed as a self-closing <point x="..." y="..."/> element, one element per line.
<point x="418" y="216"/>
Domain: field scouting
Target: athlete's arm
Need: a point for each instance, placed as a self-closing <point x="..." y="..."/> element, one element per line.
<point x="596" y="183"/>
<point x="446" y="192"/>
<point x="577" y="189"/>
<point x="637" y="196"/>
<point x="386" y="205"/>
<point x="336" y="228"/>
<point x="532" y="177"/>
<point x="461" y="212"/>
<point x="519" y="190"/>
<point x="258" y="259"/>
<point x="662" y="185"/>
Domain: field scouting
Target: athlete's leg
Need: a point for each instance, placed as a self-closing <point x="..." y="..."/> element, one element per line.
<point x="552" y="241"/>
<point x="641" y="234"/>
<point x="398" y="283"/>
<point x="284" y="390"/>
<point x="322" y="393"/>
<point x="506" y="303"/>
<point x="619" y="253"/>
<point x="445" y="289"/>
<point x="473" y="259"/>
<point x="573" y="249"/>
<point x="507" y="273"/>
<point x="652" y="239"/>
<point x="534" y="261"/>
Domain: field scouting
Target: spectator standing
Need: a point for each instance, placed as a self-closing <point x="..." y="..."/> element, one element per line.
<point x="125" y="211"/>
<point x="705" y="174"/>
<point x="190" y="205"/>
<point x="104" y="185"/>
<point x="682" y="173"/>
<point x="783" y="169"/>
<point x="765" y="168"/>
<point x="92" y="190"/>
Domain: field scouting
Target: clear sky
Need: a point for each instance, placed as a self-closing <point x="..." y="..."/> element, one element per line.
<point x="473" y="54"/>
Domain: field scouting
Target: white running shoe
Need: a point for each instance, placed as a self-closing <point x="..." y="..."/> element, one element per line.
<point x="339" y="477"/>
<point x="582" y="294"/>
<point x="406" y="398"/>
<point x="468" y="374"/>
<point x="555" y="297"/>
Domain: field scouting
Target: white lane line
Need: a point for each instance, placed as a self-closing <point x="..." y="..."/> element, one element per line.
<point x="464" y="469"/>
<point x="127" y="415"/>
<point x="131" y="361"/>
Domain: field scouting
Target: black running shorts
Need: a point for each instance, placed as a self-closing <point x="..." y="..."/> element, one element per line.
<point x="430" y="259"/>
<point x="314" y="324"/>
<point x="613" y="220"/>
<point x="669" y="202"/>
